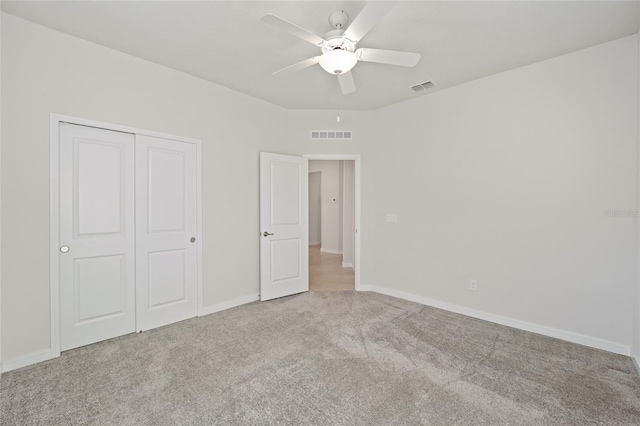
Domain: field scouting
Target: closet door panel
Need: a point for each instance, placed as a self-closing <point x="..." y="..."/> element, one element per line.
<point x="166" y="225"/>
<point x="97" y="236"/>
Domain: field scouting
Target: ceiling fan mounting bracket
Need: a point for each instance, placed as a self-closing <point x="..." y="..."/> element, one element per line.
<point x="338" y="19"/>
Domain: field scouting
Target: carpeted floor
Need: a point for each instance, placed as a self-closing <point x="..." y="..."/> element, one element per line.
<point x="327" y="358"/>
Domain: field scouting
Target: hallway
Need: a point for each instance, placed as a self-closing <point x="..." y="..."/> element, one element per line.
<point x="326" y="272"/>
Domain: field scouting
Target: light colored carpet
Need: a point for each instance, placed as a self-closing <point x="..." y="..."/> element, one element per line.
<point x="327" y="358"/>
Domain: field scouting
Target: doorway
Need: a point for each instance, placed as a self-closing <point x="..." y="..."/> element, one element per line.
<point x="332" y="224"/>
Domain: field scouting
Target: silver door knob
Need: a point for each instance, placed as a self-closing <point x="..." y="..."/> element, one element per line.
<point x="64" y="249"/>
<point x="266" y="234"/>
<point x="192" y="239"/>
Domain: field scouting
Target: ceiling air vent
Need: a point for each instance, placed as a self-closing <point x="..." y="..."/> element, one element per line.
<point x="330" y="134"/>
<point x="422" y="86"/>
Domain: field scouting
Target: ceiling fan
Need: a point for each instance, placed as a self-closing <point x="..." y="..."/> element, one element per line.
<point x="339" y="53"/>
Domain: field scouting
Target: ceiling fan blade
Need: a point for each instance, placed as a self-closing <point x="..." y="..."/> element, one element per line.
<point x="391" y="57"/>
<point x="278" y="22"/>
<point x="298" y="66"/>
<point x="346" y="83"/>
<point x="367" y="19"/>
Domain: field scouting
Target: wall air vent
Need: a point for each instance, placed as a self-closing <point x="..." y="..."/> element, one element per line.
<point x="422" y="86"/>
<point x="331" y="134"/>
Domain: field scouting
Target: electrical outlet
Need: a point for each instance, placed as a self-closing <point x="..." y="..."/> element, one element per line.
<point x="473" y="285"/>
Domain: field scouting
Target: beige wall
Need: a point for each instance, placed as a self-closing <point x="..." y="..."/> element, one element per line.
<point x="331" y="216"/>
<point x="506" y="180"/>
<point x="45" y="71"/>
<point x="0" y="198"/>
<point x="315" y="206"/>
<point x="636" y="318"/>
<point x="363" y="125"/>
<point x="348" y="217"/>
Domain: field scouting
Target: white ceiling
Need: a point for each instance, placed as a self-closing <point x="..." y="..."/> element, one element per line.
<point x="225" y="42"/>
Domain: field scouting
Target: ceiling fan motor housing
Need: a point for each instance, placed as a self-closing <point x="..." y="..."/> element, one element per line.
<point x="335" y="40"/>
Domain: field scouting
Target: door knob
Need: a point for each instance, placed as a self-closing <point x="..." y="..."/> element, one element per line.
<point x="64" y="249"/>
<point x="192" y="239"/>
<point x="266" y="234"/>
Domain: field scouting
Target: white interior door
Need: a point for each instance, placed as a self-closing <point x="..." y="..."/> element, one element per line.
<point x="97" y="263"/>
<point x="284" y="225"/>
<point x="166" y="229"/>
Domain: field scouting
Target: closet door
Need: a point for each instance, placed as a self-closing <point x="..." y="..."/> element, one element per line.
<point x="166" y="224"/>
<point x="97" y="246"/>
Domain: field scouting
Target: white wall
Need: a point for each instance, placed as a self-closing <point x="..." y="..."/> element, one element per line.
<point x="0" y="198"/>
<point x="503" y="180"/>
<point x="340" y="202"/>
<point x="44" y="71"/>
<point x="331" y="204"/>
<point x="636" y="318"/>
<point x="315" y="206"/>
<point x="506" y="180"/>
<point x="348" y="215"/>
<point x="363" y="126"/>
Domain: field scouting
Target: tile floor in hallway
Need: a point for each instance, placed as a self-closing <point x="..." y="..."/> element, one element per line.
<point x="326" y="272"/>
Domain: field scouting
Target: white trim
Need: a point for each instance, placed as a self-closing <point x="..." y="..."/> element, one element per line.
<point x="347" y="265"/>
<point x="199" y="224"/>
<point x="569" y="336"/>
<point x="315" y="243"/>
<point x="367" y="287"/>
<point x="118" y="128"/>
<point x="330" y="251"/>
<point x="356" y="159"/>
<point x="207" y="310"/>
<point x="29" y="359"/>
<point x="54" y="239"/>
<point x="636" y="363"/>
<point x="54" y="188"/>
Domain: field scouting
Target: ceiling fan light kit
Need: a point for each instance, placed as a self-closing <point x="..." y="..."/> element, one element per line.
<point x="339" y="54"/>
<point x="338" y="61"/>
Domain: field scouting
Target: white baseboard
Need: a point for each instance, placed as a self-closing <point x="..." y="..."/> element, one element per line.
<point x="636" y="362"/>
<point x="315" y="243"/>
<point x="347" y="265"/>
<point x="569" y="336"/>
<point x="29" y="359"/>
<point x="330" y="251"/>
<point x="207" y="310"/>
<point x="48" y="354"/>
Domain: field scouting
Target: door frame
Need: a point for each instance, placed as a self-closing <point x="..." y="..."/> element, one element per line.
<point x="54" y="206"/>
<point x="357" y="212"/>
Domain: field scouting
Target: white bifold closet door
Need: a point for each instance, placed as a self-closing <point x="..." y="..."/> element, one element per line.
<point x="97" y="235"/>
<point x="128" y="220"/>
